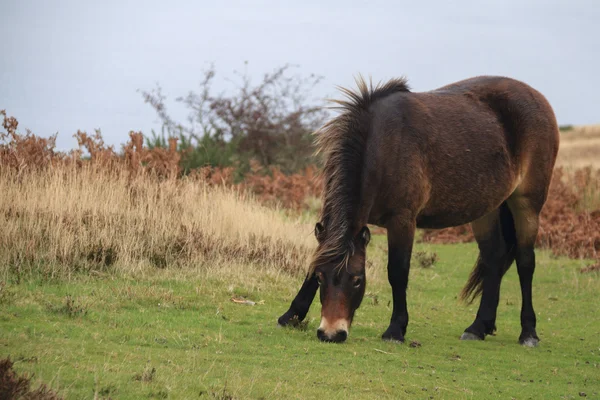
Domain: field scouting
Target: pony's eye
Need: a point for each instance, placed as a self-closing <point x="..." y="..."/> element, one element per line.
<point x="320" y="277"/>
<point x="357" y="281"/>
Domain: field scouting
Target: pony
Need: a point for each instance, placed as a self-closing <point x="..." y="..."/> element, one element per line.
<point x="479" y="151"/>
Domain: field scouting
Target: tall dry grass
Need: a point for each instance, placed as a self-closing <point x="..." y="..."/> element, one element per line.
<point x="70" y="218"/>
<point x="579" y="160"/>
<point x="580" y="147"/>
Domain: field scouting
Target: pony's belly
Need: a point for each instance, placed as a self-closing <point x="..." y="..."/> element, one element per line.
<point x="455" y="202"/>
<point x="445" y="220"/>
<point x="452" y="218"/>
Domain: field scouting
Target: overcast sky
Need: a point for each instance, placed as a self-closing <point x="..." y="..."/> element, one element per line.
<point x="68" y="65"/>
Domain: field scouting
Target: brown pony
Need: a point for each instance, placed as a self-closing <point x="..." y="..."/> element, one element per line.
<point x="478" y="151"/>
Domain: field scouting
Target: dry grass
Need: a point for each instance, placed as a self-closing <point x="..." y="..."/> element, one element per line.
<point x="66" y="218"/>
<point x="133" y="210"/>
<point x="580" y="147"/>
<point x="579" y="157"/>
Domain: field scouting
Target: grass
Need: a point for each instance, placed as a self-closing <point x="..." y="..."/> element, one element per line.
<point x="175" y="333"/>
<point x="63" y="220"/>
<point x="579" y="147"/>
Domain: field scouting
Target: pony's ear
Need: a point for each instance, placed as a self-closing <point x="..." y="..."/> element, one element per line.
<point x="319" y="231"/>
<point x="364" y="236"/>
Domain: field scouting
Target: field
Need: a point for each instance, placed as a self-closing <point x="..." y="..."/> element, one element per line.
<point x="123" y="282"/>
<point x="580" y="147"/>
<point x="178" y="334"/>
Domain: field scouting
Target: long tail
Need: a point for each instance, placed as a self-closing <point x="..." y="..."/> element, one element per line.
<point x="474" y="285"/>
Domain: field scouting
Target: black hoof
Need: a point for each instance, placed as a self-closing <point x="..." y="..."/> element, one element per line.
<point x="394" y="333"/>
<point x="479" y="330"/>
<point x="529" y="340"/>
<point x="289" y="319"/>
<point x="470" y="336"/>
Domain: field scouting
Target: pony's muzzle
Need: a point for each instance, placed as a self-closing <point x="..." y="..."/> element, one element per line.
<point x="336" y="332"/>
<point x="337" y="336"/>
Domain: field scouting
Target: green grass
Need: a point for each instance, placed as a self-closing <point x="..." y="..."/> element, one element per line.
<point x="177" y="334"/>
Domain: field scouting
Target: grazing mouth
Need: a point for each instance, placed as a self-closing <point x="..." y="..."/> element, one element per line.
<point x="337" y="337"/>
<point x="336" y="332"/>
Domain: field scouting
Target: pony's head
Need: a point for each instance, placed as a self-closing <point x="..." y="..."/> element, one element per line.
<point x="342" y="282"/>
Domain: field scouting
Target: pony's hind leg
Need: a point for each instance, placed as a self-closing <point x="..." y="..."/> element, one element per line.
<point x="525" y="211"/>
<point x="495" y="237"/>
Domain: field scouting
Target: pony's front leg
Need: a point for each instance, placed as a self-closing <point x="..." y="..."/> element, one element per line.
<point x="301" y="303"/>
<point x="401" y="232"/>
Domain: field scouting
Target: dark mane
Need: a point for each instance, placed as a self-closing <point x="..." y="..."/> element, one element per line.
<point x="342" y="142"/>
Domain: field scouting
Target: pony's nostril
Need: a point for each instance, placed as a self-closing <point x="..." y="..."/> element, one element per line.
<point x="340" y="336"/>
<point x="321" y="335"/>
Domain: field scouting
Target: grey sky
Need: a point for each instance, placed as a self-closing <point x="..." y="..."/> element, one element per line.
<point x="68" y="65"/>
